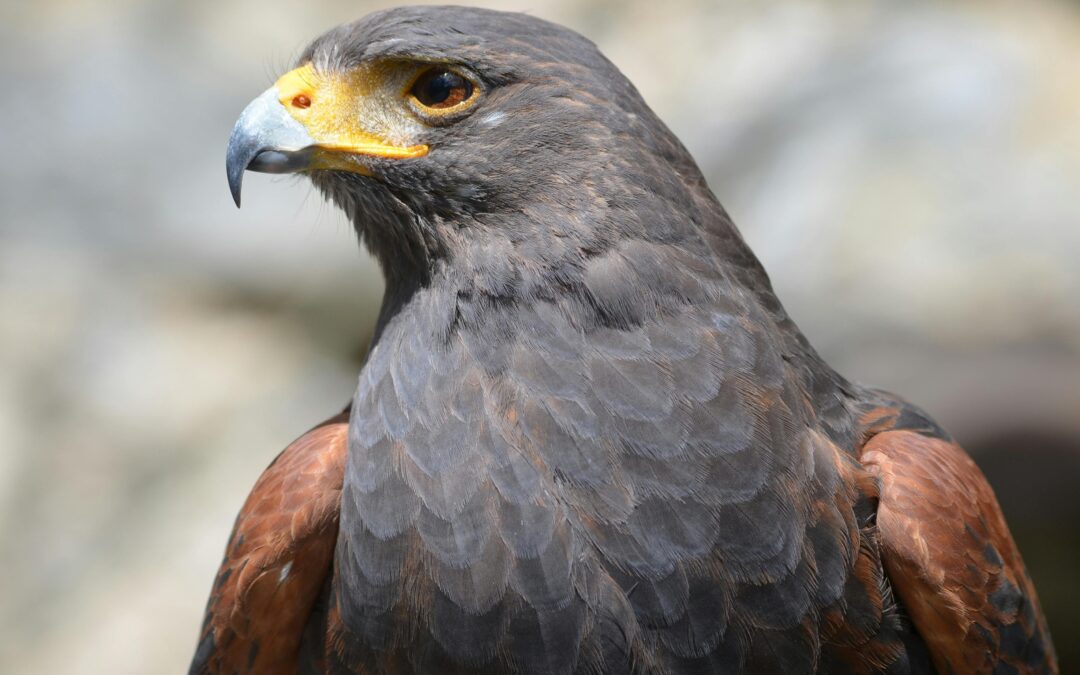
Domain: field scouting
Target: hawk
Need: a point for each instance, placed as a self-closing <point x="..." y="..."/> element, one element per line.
<point x="587" y="437"/>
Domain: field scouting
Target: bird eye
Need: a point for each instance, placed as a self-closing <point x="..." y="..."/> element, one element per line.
<point x="441" y="89"/>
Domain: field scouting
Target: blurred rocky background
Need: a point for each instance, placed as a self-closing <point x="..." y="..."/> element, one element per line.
<point x="909" y="173"/>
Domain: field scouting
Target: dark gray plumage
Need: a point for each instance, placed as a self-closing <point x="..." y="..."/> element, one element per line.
<point x="587" y="437"/>
<point x="579" y="389"/>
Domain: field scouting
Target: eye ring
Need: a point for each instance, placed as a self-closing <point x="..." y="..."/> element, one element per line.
<point x="440" y="91"/>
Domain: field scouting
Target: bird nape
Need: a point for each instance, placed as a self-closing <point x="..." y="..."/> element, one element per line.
<point x="587" y="437"/>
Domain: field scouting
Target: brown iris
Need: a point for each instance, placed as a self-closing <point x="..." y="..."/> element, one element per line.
<point x="441" y="89"/>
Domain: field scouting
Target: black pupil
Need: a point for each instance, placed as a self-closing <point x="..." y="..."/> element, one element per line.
<point x="441" y="89"/>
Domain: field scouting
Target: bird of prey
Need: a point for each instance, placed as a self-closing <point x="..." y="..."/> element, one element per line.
<point x="587" y="437"/>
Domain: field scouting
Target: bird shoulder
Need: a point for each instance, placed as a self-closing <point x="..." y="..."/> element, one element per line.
<point x="277" y="558"/>
<point x="951" y="559"/>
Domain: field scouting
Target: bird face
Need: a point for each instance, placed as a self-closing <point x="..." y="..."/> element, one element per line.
<point x="444" y="130"/>
<point x="346" y="120"/>
<point x="440" y="103"/>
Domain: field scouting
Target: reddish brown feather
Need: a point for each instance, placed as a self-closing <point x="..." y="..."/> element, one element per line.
<point x="951" y="559"/>
<point x="278" y="557"/>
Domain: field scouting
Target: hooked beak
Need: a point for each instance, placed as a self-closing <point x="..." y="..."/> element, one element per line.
<point x="309" y="121"/>
<point x="266" y="139"/>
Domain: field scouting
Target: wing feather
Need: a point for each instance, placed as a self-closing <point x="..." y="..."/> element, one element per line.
<point x="952" y="561"/>
<point x="277" y="559"/>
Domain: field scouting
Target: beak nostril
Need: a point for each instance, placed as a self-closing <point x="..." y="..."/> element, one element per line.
<point x="301" y="101"/>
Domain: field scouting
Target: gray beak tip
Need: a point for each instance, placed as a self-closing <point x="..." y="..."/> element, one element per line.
<point x="265" y="139"/>
<point x="236" y="181"/>
<point x="242" y="149"/>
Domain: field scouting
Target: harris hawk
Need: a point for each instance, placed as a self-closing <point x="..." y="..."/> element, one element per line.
<point x="587" y="437"/>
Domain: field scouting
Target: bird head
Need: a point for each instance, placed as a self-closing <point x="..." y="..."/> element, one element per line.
<point x="434" y="127"/>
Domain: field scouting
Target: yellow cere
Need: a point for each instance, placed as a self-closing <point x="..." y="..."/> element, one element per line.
<point x="353" y="113"/>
